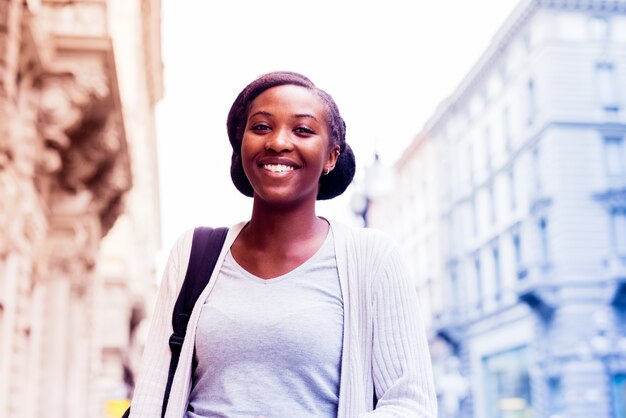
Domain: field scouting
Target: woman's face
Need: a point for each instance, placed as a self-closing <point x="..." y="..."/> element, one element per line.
<point x="285" y="146"/>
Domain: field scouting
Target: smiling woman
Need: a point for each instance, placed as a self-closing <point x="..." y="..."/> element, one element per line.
<point x="302" y="316"/>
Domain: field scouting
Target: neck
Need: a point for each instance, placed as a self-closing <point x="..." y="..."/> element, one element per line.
<point x="283" y="226"/>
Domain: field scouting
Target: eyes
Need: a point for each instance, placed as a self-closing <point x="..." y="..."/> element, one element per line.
<point x="263" y="127"/>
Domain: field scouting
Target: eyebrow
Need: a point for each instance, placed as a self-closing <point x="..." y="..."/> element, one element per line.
<point x="261" y="113"/>
<point x="306" y="115"/>
<point x="297" y="115"/>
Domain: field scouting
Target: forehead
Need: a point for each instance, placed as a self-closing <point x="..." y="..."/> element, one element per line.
<point x="293" y="100"/>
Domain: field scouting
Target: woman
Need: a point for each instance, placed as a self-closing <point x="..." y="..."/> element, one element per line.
<point x="302" y="317"/>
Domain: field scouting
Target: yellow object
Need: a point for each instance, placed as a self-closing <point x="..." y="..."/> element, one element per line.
<point x="116" y="407"/>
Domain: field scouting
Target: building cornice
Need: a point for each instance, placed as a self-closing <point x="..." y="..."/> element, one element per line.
<point x="502" y="39"/>
<point x="511" y="27"/>
<point x="595" y="5"/>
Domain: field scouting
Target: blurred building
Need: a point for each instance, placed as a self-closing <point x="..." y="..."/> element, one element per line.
<point x="79" y="214"/>
<point x="510" y="206"/>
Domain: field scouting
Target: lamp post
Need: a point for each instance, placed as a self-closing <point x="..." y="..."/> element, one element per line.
<point x="452" y="387"/>
<point x="601" y="347"/>
<point x="360" y="204"/>
<point x="378" y="182"/>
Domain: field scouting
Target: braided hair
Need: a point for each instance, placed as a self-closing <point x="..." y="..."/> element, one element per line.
<point x="331" y="185"/>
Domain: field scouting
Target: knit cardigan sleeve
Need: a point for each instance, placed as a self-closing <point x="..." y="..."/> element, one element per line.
<point x="148" y="395"/>
<point x="401" y="364"/>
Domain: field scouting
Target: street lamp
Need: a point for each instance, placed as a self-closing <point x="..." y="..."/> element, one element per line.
<point x="600" y="345"/>
<point x="378" y="182"/>
<point x="453" y="388"/>
<point x="360" y="203"/>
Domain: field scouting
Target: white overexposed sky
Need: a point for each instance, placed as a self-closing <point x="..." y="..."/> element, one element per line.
<point x="387" y="65"/>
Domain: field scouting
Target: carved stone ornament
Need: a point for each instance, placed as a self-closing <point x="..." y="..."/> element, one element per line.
<point x="84" y="145"/>
<point x="65" y="101"/>
<point x="96" y="161"/>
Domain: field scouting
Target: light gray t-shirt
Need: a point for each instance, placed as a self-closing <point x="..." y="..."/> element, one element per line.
<point x="271" y="347"/>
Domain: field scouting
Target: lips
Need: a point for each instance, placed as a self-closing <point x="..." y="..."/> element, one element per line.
<point x="278" y="165"/>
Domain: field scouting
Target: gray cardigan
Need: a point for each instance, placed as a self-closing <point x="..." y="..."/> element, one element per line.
<point x="384" y="343"/>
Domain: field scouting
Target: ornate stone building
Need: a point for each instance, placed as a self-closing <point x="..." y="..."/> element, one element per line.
<point x="79" y="217"/>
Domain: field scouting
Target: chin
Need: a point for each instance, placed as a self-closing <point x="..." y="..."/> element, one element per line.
<point x="282" y="198"/>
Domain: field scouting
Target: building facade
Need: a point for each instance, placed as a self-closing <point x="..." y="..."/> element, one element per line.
<point x="79" y="214"/>
<point x="511" y="209"/>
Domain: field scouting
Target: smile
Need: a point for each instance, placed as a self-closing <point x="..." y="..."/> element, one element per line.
<point x="278" y="168"/>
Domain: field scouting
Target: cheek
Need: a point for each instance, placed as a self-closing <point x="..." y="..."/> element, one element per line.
<point x="246" y="146"/>
<point x="244" y="155"/>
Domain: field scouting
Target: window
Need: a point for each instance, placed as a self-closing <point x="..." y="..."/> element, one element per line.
<point x="531" y="105"/>
<point x="452" y="232"/>
<point x="506" y="129"/>
<point x="618" y="222"/>
<point x="479" y="283"/>
<point x="512" y="195"/>
<point x="474" y="216"/>
<point x="492" y="204"/>
<point x="614" y="155"/>
<point x="488" y="149"/>
<point x="543" y="236"/>
<point x="454" y="284"/>
<point x="517" y="253"/>
<point x="472" y="166"/>
<point x="606" y="84"/>
<point x="507" y="384"/>
<point x="536" y="171"/>
<point x="495" y="252"/>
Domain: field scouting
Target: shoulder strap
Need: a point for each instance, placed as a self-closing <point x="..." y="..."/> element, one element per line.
<point x="205" y="249"/>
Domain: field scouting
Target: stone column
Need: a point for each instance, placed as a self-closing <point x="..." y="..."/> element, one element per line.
<point x="22" y="217"/>
<point x="64" y="323"/>
<point x="15" y="333"/>
<point x="23" y="226"/>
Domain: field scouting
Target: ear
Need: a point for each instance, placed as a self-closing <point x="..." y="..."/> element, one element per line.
<point x="331" y="161"/>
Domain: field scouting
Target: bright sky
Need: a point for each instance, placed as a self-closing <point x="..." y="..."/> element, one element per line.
<point x="387" y="65"/>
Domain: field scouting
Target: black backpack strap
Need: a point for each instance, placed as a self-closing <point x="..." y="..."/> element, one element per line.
<point x="205" y="249"/>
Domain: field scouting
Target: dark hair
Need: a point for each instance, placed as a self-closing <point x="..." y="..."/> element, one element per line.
<point x="332" y="184"/>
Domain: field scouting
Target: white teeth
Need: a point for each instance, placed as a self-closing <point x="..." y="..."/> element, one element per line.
<point x="277" y="168"/>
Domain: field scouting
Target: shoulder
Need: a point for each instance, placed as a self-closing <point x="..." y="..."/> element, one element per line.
<point x="370" y="248"/>
<point x="177" y="261"/>
<point x="182" y="247"/>
<point x="370" y="238"/>
<point x="181" y="250"/>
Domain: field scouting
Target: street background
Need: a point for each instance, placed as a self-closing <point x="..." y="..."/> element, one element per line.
<point x="489" y="138"/>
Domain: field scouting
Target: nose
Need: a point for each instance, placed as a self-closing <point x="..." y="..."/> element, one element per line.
<point x="279" y="141"/>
